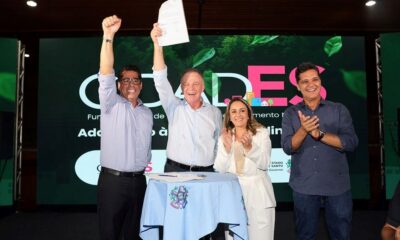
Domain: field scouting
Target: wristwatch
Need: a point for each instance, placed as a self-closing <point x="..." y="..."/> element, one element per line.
<point x="321" y="135"/>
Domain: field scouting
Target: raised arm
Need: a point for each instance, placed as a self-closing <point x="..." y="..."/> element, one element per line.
<point x="167" y="97"/>
<point x="110" y="26"/>
<point x="158" y="57"/>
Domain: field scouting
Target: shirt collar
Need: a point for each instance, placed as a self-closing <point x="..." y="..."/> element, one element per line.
<point x="302" y="104"/>
<point x="203" y="104"/>
<point x="140" y="103"/>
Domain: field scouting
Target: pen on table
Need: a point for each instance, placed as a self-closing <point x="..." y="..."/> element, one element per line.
<point x="166" y="175"/>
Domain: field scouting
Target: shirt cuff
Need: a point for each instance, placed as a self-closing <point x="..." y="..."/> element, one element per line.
<point x="158" y="73"/>
<point x="107" y="78"/>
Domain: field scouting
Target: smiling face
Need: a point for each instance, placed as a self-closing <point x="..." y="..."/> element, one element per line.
<point x="193" y="86"/>
<point x="238" y="114"/>
<point x="130" y="89"/>
<point x="309" y="85"/>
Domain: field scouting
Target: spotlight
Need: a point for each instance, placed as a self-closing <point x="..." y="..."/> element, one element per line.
<point x="31" y="3"/>
<point x="370" y="3"/>
<point x="27" y="55"/>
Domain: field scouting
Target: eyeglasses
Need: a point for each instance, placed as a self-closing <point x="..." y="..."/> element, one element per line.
<point x="135" y="81"/>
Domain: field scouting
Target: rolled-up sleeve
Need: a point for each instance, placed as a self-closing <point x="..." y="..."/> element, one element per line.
<point x="347" y="134"/>
<point x="107" y="91"/>
<point x="167" y="97"/>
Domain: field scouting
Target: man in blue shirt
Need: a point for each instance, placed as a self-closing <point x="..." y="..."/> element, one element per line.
<point x="317" y="133"/>
<point x="126" y="126"/>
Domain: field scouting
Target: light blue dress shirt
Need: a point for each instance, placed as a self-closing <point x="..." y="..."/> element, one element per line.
<point x="192" y="134"/>
<point x="125" y="130"/>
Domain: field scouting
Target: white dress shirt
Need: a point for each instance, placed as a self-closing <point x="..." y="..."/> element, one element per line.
<point x="192" y="133"/>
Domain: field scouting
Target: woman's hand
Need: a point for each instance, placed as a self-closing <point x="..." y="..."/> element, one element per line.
<point x="227" y="139"/>
<point x="246" y="140"/>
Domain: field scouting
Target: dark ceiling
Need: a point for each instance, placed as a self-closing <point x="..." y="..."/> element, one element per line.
<point x="291" y="16"/>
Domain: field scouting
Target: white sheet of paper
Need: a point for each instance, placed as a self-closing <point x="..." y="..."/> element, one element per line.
<point x="171" y="18"/>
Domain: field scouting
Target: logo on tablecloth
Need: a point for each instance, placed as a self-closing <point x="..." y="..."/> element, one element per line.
<point x="178" y="197"/>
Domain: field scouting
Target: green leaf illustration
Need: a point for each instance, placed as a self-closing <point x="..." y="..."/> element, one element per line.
<point x="260" y="39"/>
<point x="356" y="82"/>
<point x="203" y="56"/>
<point x="7" y="86"/>
<point x="212" y="83"/>
<point x="333" y="45"/>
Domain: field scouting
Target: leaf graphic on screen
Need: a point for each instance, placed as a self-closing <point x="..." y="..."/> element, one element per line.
<point x="260" y="39"/>
<point x="7" y="86"/>
<point x="355" y="81"/>
<point x="203" y="56"/>
<point x="333" y="45"/>
<point x="212" y="83"/>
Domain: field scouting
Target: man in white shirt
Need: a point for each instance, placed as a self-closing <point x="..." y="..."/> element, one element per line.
<point x="193" y="124"/>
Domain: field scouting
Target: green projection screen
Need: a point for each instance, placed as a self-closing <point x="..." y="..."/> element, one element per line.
<point x="8" y="68"/>
<point x="390" y="55"/>
<point x="251" y="66"/>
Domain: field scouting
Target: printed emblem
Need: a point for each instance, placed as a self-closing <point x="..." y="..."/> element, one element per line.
<point x="178" y="197"/>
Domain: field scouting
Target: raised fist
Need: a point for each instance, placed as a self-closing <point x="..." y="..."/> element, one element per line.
<point x="111" y="25"/>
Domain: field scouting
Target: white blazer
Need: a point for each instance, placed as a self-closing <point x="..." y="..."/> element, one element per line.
<point x="255" y="182"/>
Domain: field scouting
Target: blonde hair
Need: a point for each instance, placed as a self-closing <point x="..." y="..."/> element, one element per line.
<point x="190" y="70"/>
<point x="252" y="124"/>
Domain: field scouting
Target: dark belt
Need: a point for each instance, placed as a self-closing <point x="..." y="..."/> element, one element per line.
<point x="190" y="168"/>
<point x="121" y="174"/>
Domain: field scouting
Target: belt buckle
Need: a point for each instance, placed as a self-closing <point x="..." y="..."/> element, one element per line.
<point x="195" y="168"/>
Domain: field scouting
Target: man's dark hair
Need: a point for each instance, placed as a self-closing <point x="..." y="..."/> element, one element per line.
<point x="303" y="67"/>
<point x="129" y="67"/>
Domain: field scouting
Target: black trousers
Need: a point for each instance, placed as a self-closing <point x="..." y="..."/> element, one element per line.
<point x="119" y="206"/>
<point x="393" y="217"/>
<point x="172" y="166"/>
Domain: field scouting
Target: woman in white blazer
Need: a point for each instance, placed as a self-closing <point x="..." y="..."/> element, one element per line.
<point x="244" y="148"/>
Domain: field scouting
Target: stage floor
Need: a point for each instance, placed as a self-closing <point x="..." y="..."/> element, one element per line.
<point x="67" y="225"/>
